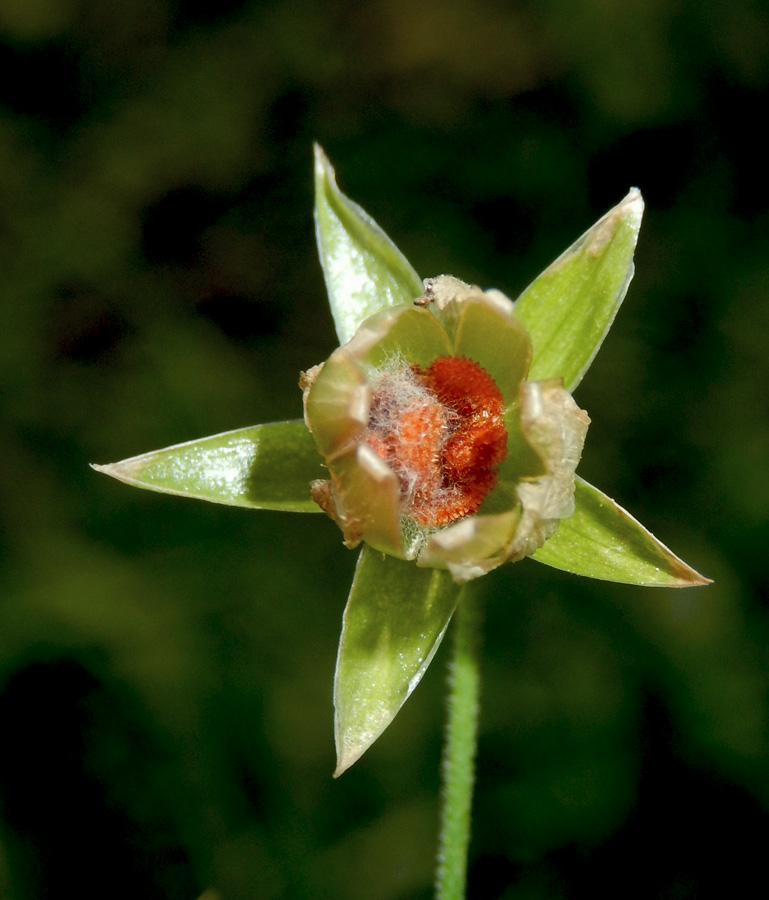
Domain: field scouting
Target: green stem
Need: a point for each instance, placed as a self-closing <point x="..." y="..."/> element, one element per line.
<point x="459" y="750"/>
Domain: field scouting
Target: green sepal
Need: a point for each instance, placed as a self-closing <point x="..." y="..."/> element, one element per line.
<point x="602" y="540"/>
<point x="569" y="308"/>
<point x="365" y="272"/>
<point x="263" y="467"/>
<point x="395" y="619"/>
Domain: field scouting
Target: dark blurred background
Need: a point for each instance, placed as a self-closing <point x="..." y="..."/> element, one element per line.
<point x="166" y="666"/>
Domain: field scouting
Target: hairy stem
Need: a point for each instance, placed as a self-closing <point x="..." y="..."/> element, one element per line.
<point x="459" y="750"/>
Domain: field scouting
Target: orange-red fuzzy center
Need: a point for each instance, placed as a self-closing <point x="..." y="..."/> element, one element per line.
<point x="441" y="430"/>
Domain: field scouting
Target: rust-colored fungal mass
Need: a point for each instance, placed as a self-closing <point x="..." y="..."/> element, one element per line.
<point x="442" y="432"/>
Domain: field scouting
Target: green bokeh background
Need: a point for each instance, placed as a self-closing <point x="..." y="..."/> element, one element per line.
<point x="166" y="666"/>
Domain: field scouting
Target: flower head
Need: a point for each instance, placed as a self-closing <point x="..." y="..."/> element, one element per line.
<point x="438" y="449"/>
<point x="441" y="431"/>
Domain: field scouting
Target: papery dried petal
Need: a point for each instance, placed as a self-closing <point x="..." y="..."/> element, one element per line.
<point x="556" y="428"/>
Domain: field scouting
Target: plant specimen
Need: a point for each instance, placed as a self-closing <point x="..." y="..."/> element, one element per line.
<point x="443" y="436"/>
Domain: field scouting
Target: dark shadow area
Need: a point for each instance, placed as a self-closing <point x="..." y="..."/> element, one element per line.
<point x="71" y="822"/>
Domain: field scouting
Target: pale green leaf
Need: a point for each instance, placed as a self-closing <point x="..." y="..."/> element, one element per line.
<point x="569" y="308"/>
<point x="263" y="467"/>
<point x="602" y="540"/>
<point x="396" y="616"/>
<point x="365" y="272"/>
